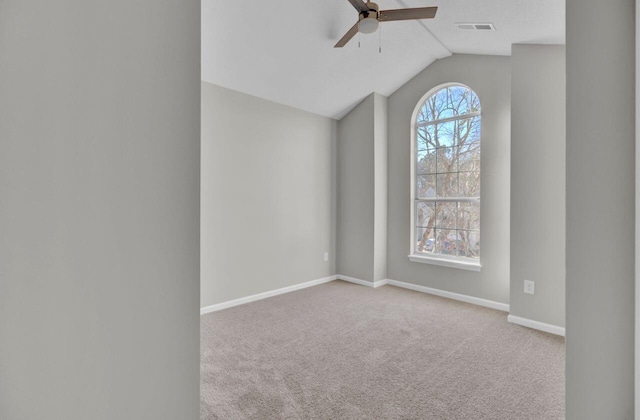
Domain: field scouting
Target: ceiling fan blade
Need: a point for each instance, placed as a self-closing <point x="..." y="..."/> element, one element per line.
<point x="347" y="37"/>
<point x="407" y="14"/>
<point x="359" y="5"/>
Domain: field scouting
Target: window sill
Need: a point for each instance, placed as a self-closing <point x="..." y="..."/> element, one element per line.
<point x="445" y="262"/>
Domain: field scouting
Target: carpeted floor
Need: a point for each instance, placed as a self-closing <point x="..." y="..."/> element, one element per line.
<point x="343" y="351"/>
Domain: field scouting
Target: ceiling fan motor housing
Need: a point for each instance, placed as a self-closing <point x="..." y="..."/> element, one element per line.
<point x="371" y="13"/>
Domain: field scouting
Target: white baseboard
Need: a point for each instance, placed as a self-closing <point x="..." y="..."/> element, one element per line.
<point x="380" y="283"/>
<point x="450" y="295"/>
<point x="553" y="329"/>
<point x="264" y="295"/>
<point x="362" y="282"/>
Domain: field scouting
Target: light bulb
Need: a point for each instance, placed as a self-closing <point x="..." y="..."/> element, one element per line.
<point x="368" y="25"/>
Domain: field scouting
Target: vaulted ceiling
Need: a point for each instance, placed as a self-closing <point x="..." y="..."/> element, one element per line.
<point x="282" y="50"/>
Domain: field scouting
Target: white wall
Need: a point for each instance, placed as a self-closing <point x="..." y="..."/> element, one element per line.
<point x="99" y="222"/>
<point x="538" y="165"/>
<point x="490" y="78"/>
<point x="362" y="191"/>
<point x="600" y="209"/>
<point x="268" y="198"/>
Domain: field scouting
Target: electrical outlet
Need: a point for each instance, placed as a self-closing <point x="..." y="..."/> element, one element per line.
<point x="326" y="256"/>
<point x="529" y="287"/>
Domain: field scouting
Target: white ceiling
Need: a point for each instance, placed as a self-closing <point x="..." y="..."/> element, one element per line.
<point x="282" y="50"/>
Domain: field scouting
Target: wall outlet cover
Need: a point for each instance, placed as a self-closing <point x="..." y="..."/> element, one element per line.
<point x="529" y="287"/>
<point x="326" y="256"/>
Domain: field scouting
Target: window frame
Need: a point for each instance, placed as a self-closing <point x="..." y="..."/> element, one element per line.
<point x="451" y="261"/>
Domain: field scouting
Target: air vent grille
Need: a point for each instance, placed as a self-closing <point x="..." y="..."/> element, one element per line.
<point x="476" y="26"/>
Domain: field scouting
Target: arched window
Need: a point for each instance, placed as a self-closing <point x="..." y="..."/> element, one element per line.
<point x="446" y="176"/>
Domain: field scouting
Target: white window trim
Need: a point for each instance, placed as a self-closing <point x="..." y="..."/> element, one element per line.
<point x="445" y="261"/>
<point x="433" y="259"/>
<point x="444" y="120"/>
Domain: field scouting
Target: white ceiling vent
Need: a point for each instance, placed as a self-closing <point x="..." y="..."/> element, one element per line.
<point x="476" y="26"/>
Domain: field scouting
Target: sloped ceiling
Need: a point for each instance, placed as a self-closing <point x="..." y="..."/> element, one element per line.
<point x="282" y="50"/>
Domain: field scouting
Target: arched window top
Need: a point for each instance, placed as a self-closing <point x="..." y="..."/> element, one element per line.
<point x="450" y="101"/>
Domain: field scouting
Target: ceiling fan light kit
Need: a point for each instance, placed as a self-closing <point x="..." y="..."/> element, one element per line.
<point x="368" y="21"/>
<point x="370" y="16"/>
<point x="368" y="25"/>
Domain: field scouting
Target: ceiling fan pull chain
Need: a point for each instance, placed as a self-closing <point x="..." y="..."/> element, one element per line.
<point x="380" y="40"/>
<point x="358" y="39"/>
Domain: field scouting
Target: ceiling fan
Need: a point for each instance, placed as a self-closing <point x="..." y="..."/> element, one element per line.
<point x="369" y="17"/>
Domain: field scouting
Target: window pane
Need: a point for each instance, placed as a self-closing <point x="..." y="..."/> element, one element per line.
<point x="424" y="240"/>
<point x="446" y="241"/>
<point x="447" y="160"/>
<point x="468" y="131"/>
<point x="469" y="157"/>
<point x="446" y="215"/>
<point x="425" y="137"/>
<point x="426" y="162"/>
<point x="464" y="100"/>
<point x="445" y="134"/>
<point x="447" y="185"/>
<point x="435" y="106"/>
<point x="426" y="186"/>
<point x="421" y="138"/>
<point x="425" y="214"/>
<point x="423" y="114"/>
<point x="469" y="216"/>
<point x="469" y="184"/>
<point x="448" y="102"/>
<point x="468" y="244"/>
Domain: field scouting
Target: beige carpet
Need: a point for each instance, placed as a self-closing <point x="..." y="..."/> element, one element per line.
<point x="343" y="351"/>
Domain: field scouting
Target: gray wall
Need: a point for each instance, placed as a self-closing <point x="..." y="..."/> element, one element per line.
<point x="490" y="78"/>
<point x="538" y="167"/>
<point x="600" y="209"/>
<point x="99" y="231"/>
<point x="356" y="191"/>
<point x="271" y="167"/>
<point x="362" y="191"/>
<point x="380" y="176"/>
<point x="637" y="241"/>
